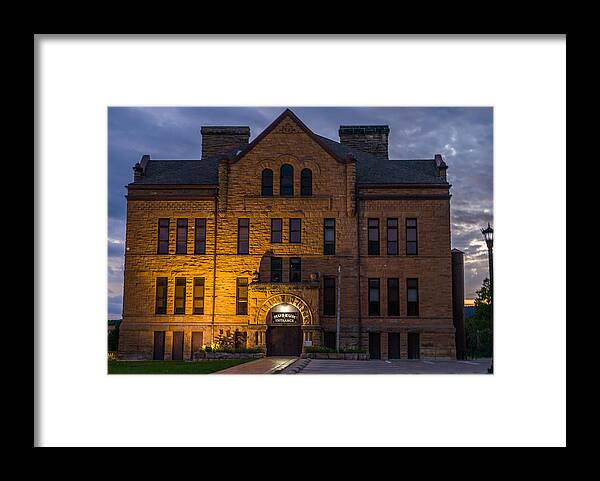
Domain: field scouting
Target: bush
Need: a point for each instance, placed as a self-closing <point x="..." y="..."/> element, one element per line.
<point x="479" y="329"/>
<point x="323" y="349"/>
<point x="113" y="340"/>
<point x="231" y="350"/>
<point x="479" y="337"/>
<point x="319" y="349"/>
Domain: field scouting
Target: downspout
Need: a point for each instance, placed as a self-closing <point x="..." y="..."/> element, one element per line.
<point x="357" y="200"/>
<point x="214" y="269"/>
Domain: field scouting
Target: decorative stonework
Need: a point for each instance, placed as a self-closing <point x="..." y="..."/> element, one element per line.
<point x="287" y="128"/>
<point x="286" y="298"/>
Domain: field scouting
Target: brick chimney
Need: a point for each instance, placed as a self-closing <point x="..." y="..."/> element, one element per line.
<point x="139" y="169"/>
<point x="221" y="139"/>
<point x="372" y="139"/>
<point x="441" y="166"/>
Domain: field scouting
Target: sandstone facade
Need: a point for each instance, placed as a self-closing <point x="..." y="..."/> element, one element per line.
<point x="340" y="192"/>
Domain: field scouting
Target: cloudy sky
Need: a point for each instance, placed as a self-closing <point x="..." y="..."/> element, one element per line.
<point x="462" y="135"/>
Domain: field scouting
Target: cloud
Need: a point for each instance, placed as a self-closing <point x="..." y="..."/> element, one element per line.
<point x="115" y="304"/>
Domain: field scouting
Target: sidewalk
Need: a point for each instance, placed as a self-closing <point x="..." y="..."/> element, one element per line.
<point x="265" y="365"/>
<point x="400" y="366"/>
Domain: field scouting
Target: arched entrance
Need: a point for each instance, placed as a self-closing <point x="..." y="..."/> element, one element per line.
<point x="284" y="331"/>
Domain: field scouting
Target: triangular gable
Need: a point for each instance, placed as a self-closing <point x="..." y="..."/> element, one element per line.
<point x="287" y="113"/>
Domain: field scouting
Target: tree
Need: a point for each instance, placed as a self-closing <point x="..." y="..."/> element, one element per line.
<point x="483" y="302"/>
<point x="479" y="331"/>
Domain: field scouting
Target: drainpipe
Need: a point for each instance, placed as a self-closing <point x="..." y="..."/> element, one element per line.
<point x="214" y="270"/>
<point x="357" y="213"/>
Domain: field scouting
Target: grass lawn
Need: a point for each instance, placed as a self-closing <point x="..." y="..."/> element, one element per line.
<point x="172" y="367"/>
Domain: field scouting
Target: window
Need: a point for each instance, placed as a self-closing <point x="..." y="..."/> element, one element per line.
<point x="182" y="231"/>
<point x="240" y="339"/>
<point x="411" y="237"/>
<point x="177" y="351"/>
<point x="266" y="187"/>
<point x="374" y="297"/>
<point x="329" y="237"/>
<point x="393" y="297"/>
<point x="198" y="295"/>
<point x="158" y="352"/>
<point x="242" y="296"/>
<point x="243" y="236"/>
<point x="179" y="295"/>
<point x="330" y="339"/>
<point x="392" y="237"/>
<point x="276" y="230"/>
<point x="197" y="342"/>
<point x="373" y="225"/>
<point x="163" y="236"/>
<point x="295" y="231"/>
<point x="200" y="237"/>
<point x="306" y="182"/>
<point x="161" y="295"/>
<point x="295" y="269"/>
<point x="329" y="296"/>
<point x="412" y="297"/>
<point x="276" y="269"/>
<point x="286" y="180"/>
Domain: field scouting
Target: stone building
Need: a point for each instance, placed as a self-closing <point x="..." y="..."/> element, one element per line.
<point x="264" y="244"/>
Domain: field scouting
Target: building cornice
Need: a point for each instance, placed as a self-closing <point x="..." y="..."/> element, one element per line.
<point x="171" y="186"/>
<point x="364" y="185"/>
<point x="402" y="197"/>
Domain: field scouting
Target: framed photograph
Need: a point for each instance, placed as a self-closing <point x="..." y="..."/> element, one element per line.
<point x="299" y="241"/>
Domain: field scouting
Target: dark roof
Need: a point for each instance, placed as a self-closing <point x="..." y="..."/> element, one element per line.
<point x="373" y="170"/>
<point x="195" y="171"/>
<point x="180" y="172"/>
<point x="369" y="169"/>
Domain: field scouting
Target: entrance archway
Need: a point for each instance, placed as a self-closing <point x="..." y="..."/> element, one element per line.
<point x="285" y="298"/>
<point x="284" y="331"/>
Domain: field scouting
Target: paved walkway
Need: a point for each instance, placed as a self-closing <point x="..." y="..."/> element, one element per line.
<point x="400" y="366"/>
<point x="265" y="365"/>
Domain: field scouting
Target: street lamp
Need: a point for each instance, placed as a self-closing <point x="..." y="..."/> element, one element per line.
<point x="488" y="235"/>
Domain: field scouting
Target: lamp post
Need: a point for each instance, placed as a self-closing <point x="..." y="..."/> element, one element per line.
<point x="488" y="235"/>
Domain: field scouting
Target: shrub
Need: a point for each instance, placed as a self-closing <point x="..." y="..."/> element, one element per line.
<point x="479" y="327"/>
<point x="241" y="350"/>
<point x="319" y="349"/>
<point x="353" y="350"/>
<point x="113" y="340"/>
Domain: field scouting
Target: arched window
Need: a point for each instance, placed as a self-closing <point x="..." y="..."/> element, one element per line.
<point x="286" y="180"/>
<point x="306" y="182"/>
<point x="267" y="182"/>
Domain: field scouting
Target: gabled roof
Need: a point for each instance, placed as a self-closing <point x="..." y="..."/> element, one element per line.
<point x="288" y="113"/>
<point x="369" y="169"/>
<point x="373" y="170"/>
